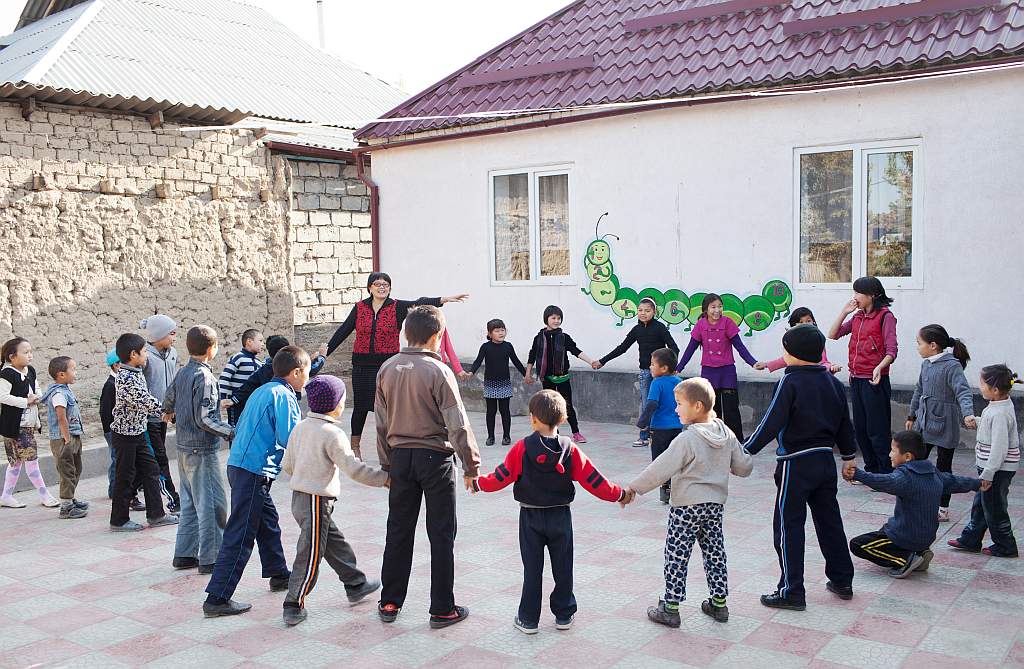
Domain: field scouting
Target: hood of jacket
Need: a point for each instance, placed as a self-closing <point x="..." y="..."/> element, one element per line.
<point x="715" y="433"/>
<point x="920" y="467"/>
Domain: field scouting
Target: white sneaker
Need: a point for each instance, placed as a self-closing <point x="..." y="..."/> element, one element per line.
<point x="49" y="501"/>
<point x="943" y="515"/>
<point x="11" y="503"/>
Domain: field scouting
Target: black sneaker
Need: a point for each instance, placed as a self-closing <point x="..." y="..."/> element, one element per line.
<point x="663" y="615"/>
<point x="844" y="592"/>
<point x="184" y="563"/>
<point x="927" y="555"/>
<point x="525" y="628"/>
<point x="719" y="613"/>
<point x="80" y="504"/>
<point x="136" y="504"/>
<point x="206" y="568"/>
<point x="71" y="512"/>
<point x="228" y="608"/>
<point x="506" y="441"/>
<point x="777" y="601"/>
<point x="564" y="623"/>
<point x="489" y="442"/>
<point x="456" y="615"/>
<point x="279" y="583"/>
<point x="913" y="562"/>
<point x="388" y="612"/>
<point x="293" y="615"/>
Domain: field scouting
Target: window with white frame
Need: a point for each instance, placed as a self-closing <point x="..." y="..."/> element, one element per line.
<point x="530" y="226"/>
<point x="858" y="213"/>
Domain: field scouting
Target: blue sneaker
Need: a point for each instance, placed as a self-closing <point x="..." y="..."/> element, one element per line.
<point x="525" y="628"/>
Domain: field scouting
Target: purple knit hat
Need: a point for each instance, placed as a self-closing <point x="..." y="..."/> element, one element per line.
<point x="324" y="393"/>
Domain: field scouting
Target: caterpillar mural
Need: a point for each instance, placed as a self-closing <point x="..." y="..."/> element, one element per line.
<point x="673" y="306"/>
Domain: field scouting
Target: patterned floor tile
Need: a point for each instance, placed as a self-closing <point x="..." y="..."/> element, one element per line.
<point x="863" y="654"/>
<point x="414" y="649"/>
<point x="966" y="645"/>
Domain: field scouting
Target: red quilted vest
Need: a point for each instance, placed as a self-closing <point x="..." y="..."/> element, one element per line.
<point x="867" y="345"/>
<point x="376" y="333"/>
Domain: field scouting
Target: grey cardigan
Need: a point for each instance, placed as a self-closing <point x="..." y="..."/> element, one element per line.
<point x="942" y="398"/>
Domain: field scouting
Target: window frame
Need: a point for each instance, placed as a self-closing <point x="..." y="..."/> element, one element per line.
<point x="861" y="150"/>
<point x="534" y="173"/>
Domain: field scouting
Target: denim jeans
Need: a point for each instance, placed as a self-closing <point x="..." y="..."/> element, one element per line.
<point x="110" y="470"/>
<point x="644" y="378"/>
<point x="989" y="513"/>
<point x="204" y="505"/>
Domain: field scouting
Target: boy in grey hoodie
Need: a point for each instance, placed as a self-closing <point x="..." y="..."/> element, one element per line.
<point x="160" y="332"/>
<point x="698" y="462"/>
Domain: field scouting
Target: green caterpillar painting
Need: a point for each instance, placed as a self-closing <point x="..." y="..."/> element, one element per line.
<point x="673" y="306"/>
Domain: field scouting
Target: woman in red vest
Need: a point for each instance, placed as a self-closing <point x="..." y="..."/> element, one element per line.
<point x="377" y="320"/>
<point x="873" y="348"/>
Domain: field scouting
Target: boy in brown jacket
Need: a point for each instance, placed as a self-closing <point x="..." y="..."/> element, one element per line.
<point x="421" y="424"/>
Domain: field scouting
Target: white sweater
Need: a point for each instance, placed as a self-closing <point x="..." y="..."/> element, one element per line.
<point x="317" y="449"/>
<point x="998" y="444"/>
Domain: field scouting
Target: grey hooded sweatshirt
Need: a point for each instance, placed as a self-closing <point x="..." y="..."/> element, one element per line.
<point x="159" y="372"/>
<point x="699" y="462"/>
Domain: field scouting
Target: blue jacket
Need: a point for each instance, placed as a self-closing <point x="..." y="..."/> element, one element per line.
<point x="263" y="429"/>
<point x="918" y="487"/>
<point x="808" y="413"/>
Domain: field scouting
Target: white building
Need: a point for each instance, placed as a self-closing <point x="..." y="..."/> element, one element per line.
<point x="810" y="144"/>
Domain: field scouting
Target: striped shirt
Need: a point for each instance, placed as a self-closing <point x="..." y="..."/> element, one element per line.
<point x="239" y="368"/>
<point x="998" y="447"/>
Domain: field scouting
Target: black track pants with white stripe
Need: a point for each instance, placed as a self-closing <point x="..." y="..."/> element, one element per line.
<point x="319" y="539"/>
<point x="809" y="481"/>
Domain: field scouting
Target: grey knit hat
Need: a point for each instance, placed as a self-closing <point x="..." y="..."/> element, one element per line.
<point x="157" y="327"/>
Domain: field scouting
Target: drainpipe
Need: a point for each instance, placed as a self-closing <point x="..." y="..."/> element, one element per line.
<point x="359" y="155"/>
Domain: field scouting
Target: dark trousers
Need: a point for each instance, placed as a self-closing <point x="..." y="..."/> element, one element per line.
<point x="157" y="433"/>
<point x="551" y="528"/>
<point x="989" y="513"/>
<point x="493" y="407"/>
<point x="944" y="463"/>
<point x="660" y="441"/>
<point x="878" y="548"/>
<point x="319" y="539"/>
<point x="565" y="390"/>
<point x="134" y="462"/>
<point x="872" y="422"/>
<point x="253" y="519"/>
<point x="417" y="474"/>
<point x="809" y="481"/>
<point x="727" y="406"/>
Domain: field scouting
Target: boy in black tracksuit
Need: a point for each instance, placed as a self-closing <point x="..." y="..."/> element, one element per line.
<point x="544" y="467"/>
<point x="808" y="415"/>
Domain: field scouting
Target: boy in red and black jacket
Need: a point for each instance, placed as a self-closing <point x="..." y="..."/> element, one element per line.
<point x="544" y="467"/>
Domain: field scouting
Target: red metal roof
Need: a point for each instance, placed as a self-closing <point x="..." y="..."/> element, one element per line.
<point x="608" y="51"/>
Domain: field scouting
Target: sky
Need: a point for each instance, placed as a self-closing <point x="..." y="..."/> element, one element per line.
<point x="408" y="43"/>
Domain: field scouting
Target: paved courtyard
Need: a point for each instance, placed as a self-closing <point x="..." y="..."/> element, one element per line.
<point x="73" y="595"/>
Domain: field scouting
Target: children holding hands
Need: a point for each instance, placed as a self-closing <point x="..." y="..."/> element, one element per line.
<point x="698" y="462"/>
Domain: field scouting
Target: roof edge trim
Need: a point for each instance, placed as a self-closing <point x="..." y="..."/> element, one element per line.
<point x="888" y="14"/>
<point x="527" y="71"/>
<point x="697" y="13"/>
<point x="44" y="64"/>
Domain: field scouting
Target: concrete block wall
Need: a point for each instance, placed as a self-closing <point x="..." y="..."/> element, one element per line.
<point x="331" y="240"/>
<point x="79" y="267"/>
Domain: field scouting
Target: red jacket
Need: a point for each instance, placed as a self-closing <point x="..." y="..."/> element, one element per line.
<point x="576" y="465"/>
<point x="872" y="337"/>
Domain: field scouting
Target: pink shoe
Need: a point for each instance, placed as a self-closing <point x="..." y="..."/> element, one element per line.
<point x="579" y="438"/>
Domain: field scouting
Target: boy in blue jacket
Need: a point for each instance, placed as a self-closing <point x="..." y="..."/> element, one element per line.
<point x="808" y="415"/>
<point x="254" y="462"/>
<point x="903" y="543"/>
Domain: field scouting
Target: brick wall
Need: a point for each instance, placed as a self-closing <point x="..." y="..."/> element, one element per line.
<point x="331" y="252"/>
<point x="79" y="267"/>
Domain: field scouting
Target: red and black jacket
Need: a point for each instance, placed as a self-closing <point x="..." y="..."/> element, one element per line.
<point x="543" y="470"/>
<point x="376" y="333"/>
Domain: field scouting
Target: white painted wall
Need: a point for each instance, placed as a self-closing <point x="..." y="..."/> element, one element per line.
<point x="702" y="199"/>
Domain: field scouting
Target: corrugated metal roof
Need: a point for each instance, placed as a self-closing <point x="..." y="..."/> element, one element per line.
<point x="743" y="49"/>
<point x="302" y="134"/>
<point x="38" y="9"/>
<point x="227" y="58"/>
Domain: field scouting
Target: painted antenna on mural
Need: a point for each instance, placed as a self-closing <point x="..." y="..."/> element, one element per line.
<point x="674" y="306"/>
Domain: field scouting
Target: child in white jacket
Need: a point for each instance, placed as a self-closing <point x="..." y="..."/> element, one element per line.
<point x="317" y="449"/>
<point x="699" y="462"/>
